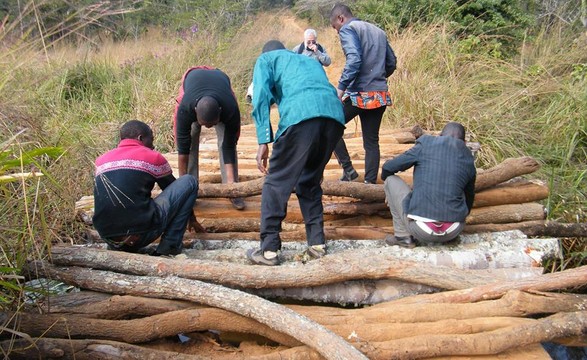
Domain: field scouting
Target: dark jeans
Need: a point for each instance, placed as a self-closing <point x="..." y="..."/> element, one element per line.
<point x="174" y="206"/>
<point x="298" y="159"/>
<point x="370" y="124"/>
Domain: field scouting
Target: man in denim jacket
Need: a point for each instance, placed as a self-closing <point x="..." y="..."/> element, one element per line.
<point x="363" y="85"/>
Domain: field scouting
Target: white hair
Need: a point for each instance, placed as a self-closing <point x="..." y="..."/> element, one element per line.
<point x="310" y="32"/>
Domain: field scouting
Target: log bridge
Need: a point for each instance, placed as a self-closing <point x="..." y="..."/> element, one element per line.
<point x="481" y="297"/>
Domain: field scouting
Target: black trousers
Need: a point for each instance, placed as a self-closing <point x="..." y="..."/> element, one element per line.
<point x="298" y="159"/>
<point x="370" y="124"/>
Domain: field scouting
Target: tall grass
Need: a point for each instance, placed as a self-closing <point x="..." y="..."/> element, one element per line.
<point x="75" y="96"/>
<point x="534" y="105"/>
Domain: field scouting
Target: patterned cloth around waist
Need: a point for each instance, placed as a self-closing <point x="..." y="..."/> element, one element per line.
<point x="368" y="99"/>
<point x="437" y="228"/>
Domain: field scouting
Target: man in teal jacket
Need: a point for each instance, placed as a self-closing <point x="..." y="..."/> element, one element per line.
<point x="310" y="124"/>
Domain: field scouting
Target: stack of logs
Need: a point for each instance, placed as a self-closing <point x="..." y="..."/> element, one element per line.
<point x="145" y="307"/>
<point x="212" y="306"/>
<point x="356" y="210"/>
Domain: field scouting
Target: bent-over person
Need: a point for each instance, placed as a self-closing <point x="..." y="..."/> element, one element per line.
<point x="310" y="124"/>
<point x="206" y="99"/>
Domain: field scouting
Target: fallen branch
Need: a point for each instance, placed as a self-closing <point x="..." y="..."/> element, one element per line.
<point x="383" y="264"/>
<point x="46" y="348"/>
<point x="553" y="281"/>
<point x="275" y="316"/>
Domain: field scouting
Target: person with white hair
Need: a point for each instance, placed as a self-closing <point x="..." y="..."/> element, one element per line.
<point x="310" y="47"/>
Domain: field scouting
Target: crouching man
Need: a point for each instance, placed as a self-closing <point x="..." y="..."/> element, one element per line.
<point x="125" y="215"/>
<point x="434" y="211"/>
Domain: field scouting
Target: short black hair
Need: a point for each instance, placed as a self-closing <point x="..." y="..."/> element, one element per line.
<point x="454" y="129"/>
<point x="207" y="110"/>
<point x="340" y="9"/>
<point x="272" y="45"/>
<point x="132" y="129"/>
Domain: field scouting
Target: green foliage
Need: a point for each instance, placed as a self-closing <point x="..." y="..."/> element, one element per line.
<point x="491" y="26"/>
<point x="403" y="14"/>
<point x="96" y="82"/>
<point x="22" y="214"/>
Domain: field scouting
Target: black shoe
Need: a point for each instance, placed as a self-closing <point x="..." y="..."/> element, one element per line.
<point x="148" y="250"/>
<point x="403" y="241"/>
<point x="349" y="175"/>
<point x="257" y="258"/>
<point x="238" y="203"/>
<point x="316" y="251"/>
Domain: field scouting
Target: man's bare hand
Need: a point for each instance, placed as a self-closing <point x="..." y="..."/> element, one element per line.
<point x="194" y="225"/>
<point x="262" y="156"/>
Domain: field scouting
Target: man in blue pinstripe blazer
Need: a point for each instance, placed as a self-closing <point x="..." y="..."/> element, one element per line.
<point x="434" y="211"/>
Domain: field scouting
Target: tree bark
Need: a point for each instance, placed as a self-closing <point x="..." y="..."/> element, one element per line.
<point x="377" y="323"/>
<point x="533" y="352"/>
<point x="508" y="169"/>
<point x="69" y="349"/>
<point x="486" y="343"/>
<point x="553" y="281"/>
<point x="533" y="228"/>
<point x="383" y="264"/>
<point x="141" y="330"/>
<point x="506" y="214"/>
<point x="275" y="316"/>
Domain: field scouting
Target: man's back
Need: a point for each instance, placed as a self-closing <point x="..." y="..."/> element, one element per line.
<point x="299" y="87"/>
<point x="125" y="177"/>
<point x="369" y="51"/>
<point x="444" y="170"/>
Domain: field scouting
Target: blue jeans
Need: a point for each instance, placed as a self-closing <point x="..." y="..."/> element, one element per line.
<point x="175" y="206"/>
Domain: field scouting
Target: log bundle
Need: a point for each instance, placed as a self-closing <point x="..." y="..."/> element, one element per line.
<point x="507" y="198"/>
<point x="480" y="297"/>
<point x="134" y="306"/>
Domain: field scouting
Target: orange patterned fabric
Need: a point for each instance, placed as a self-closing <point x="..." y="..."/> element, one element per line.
<point x="369" y="99"/>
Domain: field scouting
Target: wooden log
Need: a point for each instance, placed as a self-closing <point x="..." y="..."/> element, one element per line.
<point x="554" y="228"/>
<point x="516" y="192"/>
<point x="486" y="343"/>
<point x="282" y="319"/>
<point x="553" y="281"/>
<point x="227" y="219"/>
<point x="512" y="304"/>
<point x="92" y="304"/>
<point x="171" y="323"/>
<point x="508" y="169"/>
<point x="359" y="292"/>
<point x="141" y="330"/>
<point x="378" y="323"/>
<point x="47" y="348"/>
<point x="533" y="228"/>
<point x="347" y="265"/>
<point x="530" y="352"/>
<point x="396" y="323"/>
<point x="506" y="213"/>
